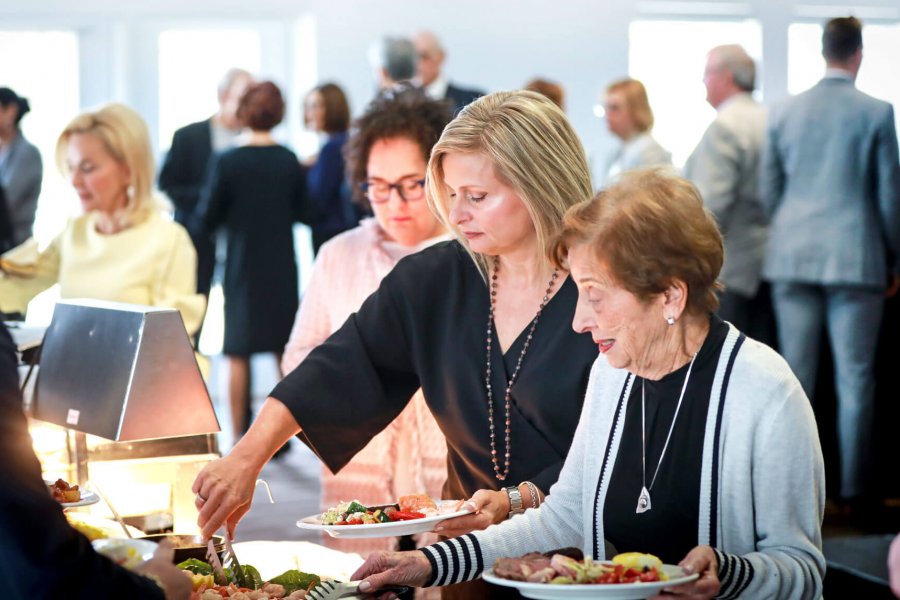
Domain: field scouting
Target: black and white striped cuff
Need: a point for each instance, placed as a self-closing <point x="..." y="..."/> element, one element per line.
<point x="454" y="561"/>
<point x="735" y="574"/>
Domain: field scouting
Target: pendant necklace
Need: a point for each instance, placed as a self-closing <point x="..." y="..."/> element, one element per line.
<point x="487" y="378"/>
<point x="643" y="504"/>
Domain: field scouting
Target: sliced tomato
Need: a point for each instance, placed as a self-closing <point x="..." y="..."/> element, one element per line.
<point x="399" y="515"/>
<point x="650" y="575"/>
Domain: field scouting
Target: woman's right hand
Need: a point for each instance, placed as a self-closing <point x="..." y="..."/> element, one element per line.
<point x="224" y="491"/>
<point x="393" y="568"/>
<point x="225" y="486"/>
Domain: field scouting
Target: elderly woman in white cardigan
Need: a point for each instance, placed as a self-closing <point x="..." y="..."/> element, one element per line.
<point x="696" y="443"/>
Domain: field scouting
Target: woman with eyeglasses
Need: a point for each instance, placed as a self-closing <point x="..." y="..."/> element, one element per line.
<point x="479" y="323"/>
<point x="387" y="156"/>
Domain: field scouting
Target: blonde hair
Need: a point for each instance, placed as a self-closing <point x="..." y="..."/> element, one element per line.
<point x="125" y="136"/>
<point x="533" y="149"/>
<point x="649" y="229"/>
<point x="636" y="101"/>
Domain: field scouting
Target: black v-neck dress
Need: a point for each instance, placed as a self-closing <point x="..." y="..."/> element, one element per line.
<point x="426" y="326"/>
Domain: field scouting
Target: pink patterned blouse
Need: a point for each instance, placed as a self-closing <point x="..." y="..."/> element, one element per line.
<point x="408" y="457"/>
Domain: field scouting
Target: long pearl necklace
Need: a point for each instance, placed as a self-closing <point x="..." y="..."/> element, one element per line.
<point x="487" y="379"/>
<point x="644" y="504"/>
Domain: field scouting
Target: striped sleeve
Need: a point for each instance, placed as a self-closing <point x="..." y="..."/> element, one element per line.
<point x="454" y="561"/>
<point x="735" y="574"/>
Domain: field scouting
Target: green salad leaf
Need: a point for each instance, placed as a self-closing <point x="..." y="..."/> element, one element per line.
<point x="254" y="581"/>
<point x="294" y="580"/>
<point x="197" y="567"/>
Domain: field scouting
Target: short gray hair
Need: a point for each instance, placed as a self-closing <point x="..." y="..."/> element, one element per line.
<point x="230" y="77"/>
<point x="734" y="59"/>
<point x="397" y="56"/>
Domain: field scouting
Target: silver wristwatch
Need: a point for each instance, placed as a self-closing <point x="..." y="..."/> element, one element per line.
<point x="515" y="500"/>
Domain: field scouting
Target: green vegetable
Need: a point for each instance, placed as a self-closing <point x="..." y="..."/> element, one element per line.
<point x="254" y="581"/>
<point x="197" y="567"/>
<point x="355" y="507"/>
<point x="294" y="580"/>
<point x="381" y="516"/>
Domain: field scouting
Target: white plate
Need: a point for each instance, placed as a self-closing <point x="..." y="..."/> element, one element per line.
<point x="610" y="591"/>
<point x="87" y="498"/>
<point x="125" y="552"/>
<point x="379" y="530"/>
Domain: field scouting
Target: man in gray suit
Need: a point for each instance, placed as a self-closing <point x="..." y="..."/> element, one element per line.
<point x="830" y="181"/>
<point x="725" y="168"/>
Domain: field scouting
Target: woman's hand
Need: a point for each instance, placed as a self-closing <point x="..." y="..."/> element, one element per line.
<point x="225" y="486"/>
<point x="700" y="560"/>
<point x="224" y="491"/>
<point x="488" y="507"/>
<point x="393" y="568"/>
<point x="173" y="581"/>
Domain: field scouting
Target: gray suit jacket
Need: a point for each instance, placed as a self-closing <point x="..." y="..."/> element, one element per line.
<point x="831" y="182"/>
<point x="725" y="168"/>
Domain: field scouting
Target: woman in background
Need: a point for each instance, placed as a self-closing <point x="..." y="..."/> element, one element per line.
<point x="326" y="112"/>
<point x="256" y="192"/>
<point x="123" y="248"/>
<point x="387" y="158"/>
<point x="21" y="169"/>
<point x="629" y="118"/>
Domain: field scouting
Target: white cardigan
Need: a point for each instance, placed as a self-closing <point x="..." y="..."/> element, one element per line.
<point x="762" y="486"/>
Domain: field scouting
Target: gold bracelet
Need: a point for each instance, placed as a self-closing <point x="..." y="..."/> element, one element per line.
<point x="532" y="489"/>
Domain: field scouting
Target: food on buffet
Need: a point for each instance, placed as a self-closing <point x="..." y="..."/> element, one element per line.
<point x="407" y="508"/>
<point x="557" y="568"/>
<point x="290" y="585"/>
<point x="91" y="532"/>
<point x="63" y="492"/>
<point x="97" y="528"/>
<point x="127" y="553"/>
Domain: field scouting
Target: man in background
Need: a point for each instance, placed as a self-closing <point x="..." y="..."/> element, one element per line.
<point x="830" y="183"/>
<point x="431" y="57"/>
<point x="393" y="60"/>
<point x="725" y="168"/>
<point x="183" y="173"/>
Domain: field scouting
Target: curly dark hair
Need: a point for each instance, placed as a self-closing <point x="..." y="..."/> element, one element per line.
<point x="405" y="113"/>
<point x="261" y="107"/>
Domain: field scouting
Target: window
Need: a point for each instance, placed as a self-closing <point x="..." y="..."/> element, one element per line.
<point x="191" y="64"/>
<point x="877" y="75"/>
<point x="668" y="57"/>
<point x="45" y="70"/>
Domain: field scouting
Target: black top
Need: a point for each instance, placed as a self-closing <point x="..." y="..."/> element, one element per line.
<point x="182" y="178"/>
<point x="676" y="494"/>
<point x="41" y="556"/>
<point x="425" y="326"/>
<point x="256" y="193"/>
<point x="329" y="191"/>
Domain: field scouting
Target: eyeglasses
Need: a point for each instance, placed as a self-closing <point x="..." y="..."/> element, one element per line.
<point x="410" y="189"/>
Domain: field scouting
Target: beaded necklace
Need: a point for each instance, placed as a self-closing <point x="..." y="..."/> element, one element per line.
<point x="487" y="379"/>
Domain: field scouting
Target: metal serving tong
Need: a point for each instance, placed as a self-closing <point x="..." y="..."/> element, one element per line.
<point x="231" y="562"/>
<point x="331" y="590"/>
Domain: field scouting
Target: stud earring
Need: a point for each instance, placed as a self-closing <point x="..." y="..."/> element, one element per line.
<point x="129" y="191"/>
<point x="670" y="320"/>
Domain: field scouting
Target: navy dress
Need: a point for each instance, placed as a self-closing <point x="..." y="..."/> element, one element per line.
<point x="330" y="194"/>
<point x="255" y="194"/>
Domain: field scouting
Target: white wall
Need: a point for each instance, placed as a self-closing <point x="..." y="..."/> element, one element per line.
<point x="491" y="44"/>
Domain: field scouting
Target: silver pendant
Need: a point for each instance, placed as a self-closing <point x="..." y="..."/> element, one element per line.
<point x="643" y="504"/>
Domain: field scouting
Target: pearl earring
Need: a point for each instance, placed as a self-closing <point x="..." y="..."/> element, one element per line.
<point x="670" y="320"/>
